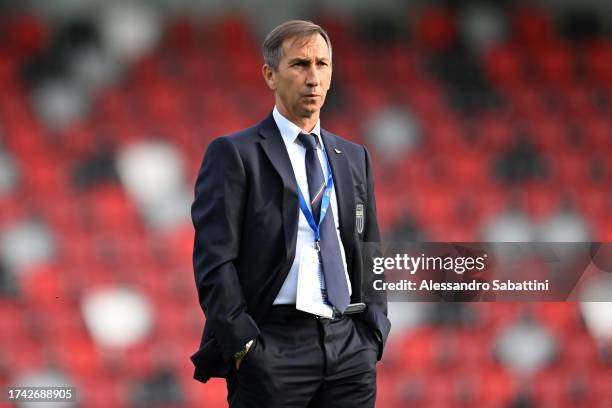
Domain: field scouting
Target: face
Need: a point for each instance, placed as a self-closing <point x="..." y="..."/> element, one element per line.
<point x="302" y="79"/>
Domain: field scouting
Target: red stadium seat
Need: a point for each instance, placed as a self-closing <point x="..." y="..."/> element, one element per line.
<point x="497" y="132"/>
<point x="13" y="321"/>
<point x="497" y="386"/>
<point x="43" y="286"/>
<point x="597" y="131"/>
<point x="593" y="201"/>
<point x="491" y="202"/>
<point x="234" y="37"/>
<point x="179" y="246"/>
<point x="561" y="317"/>
<point x="77" y="356"/>
<point x="398" y="66"/>
<point x="474" y="348"/>
<point x="598" y="55"/>
<point x="23" y="354"/>
<point x="8" y="67"/>
<point x="555" y="65"/>
<point x="443" y="136"/>
<point x="349" y="67"/>
<point x="388" y="389"/>
<point x="10" y="210"/>
<point x="471" y="170"/>
<point x="48" y="178"/>
<point x="436" y="29"/>
<point x="549" y="388"/>
<point x="532" y="27"/>
<point x="579" y="351"/>
<point x="570" y="169"/>
<point x="389" y="206"/>
<point x="602" y="228"/>
<point x="601" y="379"/>
<point x="434" y="205"/>
<point x="497" y="316"/>
<point x="112" y="210"/>
<point x="418" y="349"/>
<point x="210" y="395"/>
<point x="181" y="35"/>
<point x="426" y="99"/>
<point x="440" y="389"/>
<point x="539" y="200"/>
<point x="101" y="392"/>
<point x="528" y="102"/>
<point x="579" y="101"/>
<point x="505" y="65"/>
<point x="549" y="135"/>
<point x="26" y="34"/>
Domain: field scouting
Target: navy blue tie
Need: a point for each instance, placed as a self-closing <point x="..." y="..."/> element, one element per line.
<point x="331" y="258"/>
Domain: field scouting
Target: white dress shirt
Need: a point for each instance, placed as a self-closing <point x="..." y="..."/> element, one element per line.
<point x="305" y="235"/>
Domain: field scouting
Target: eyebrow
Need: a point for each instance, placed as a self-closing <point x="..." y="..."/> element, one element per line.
<point x="298" y="60"/>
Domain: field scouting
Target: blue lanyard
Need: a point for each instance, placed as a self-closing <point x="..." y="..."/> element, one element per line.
<point x="324" y="203"/>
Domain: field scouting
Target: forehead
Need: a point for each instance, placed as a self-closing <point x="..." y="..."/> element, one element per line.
<point x="310" y="46"/>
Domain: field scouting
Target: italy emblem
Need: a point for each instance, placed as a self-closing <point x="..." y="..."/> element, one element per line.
<point x="359" y="218"/>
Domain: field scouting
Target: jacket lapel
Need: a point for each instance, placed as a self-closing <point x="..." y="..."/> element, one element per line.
<point x="343" y="184"/>
<point x="274" y="148"/>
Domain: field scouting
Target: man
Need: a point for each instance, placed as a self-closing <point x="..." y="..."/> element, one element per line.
<point x="281" y="212"/>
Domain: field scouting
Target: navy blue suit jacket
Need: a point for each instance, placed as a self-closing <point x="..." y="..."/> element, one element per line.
<point x="245" y="215"/>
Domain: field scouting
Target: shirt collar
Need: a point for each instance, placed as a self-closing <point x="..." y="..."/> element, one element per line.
<point x="290" y="131"/>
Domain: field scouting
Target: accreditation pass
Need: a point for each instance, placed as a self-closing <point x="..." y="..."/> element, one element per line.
<point x="310" y="284"/>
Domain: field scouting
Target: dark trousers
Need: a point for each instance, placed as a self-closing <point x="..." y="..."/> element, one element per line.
<point x="301" y="361"/>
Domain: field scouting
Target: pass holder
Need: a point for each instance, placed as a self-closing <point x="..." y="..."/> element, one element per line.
<point x="309" y="296"/>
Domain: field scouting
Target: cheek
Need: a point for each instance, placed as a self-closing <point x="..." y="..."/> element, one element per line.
<point x="286" y="85"/>
<point x="326" y="81"/>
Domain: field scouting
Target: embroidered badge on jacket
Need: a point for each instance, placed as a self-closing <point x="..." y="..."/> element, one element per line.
<point x="359" y="218"/>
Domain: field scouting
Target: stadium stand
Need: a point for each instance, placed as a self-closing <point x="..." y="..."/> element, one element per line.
<point x="522" y="126"/>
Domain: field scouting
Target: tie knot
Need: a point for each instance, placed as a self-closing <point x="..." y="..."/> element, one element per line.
<point x="308" y="140"/>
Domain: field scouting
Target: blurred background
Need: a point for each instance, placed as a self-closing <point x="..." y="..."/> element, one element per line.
<point x="486" y="120"/>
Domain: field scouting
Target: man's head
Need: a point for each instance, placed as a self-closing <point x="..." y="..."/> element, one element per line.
<point x="298" y="68"/>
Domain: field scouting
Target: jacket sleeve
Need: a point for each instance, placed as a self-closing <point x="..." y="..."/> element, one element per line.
<point x="376" y="311"/>
<point x="217" y="213"/>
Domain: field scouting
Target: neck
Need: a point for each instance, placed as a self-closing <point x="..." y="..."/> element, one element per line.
<point x="304" y="123"/>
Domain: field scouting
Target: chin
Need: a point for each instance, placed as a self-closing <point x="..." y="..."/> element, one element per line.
<point x="314" y="108"/>
<point x="307" y="113"/>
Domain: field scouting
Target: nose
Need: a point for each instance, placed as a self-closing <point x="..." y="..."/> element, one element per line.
<point x="312" y="77"/>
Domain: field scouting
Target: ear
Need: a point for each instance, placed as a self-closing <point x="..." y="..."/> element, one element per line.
<point x="268" y="75"/>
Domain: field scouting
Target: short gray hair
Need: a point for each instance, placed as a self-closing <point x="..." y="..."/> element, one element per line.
<point x="273" y="44"/>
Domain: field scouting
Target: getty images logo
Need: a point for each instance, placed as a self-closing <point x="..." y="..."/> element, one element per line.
<point x="412" y="264"/>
